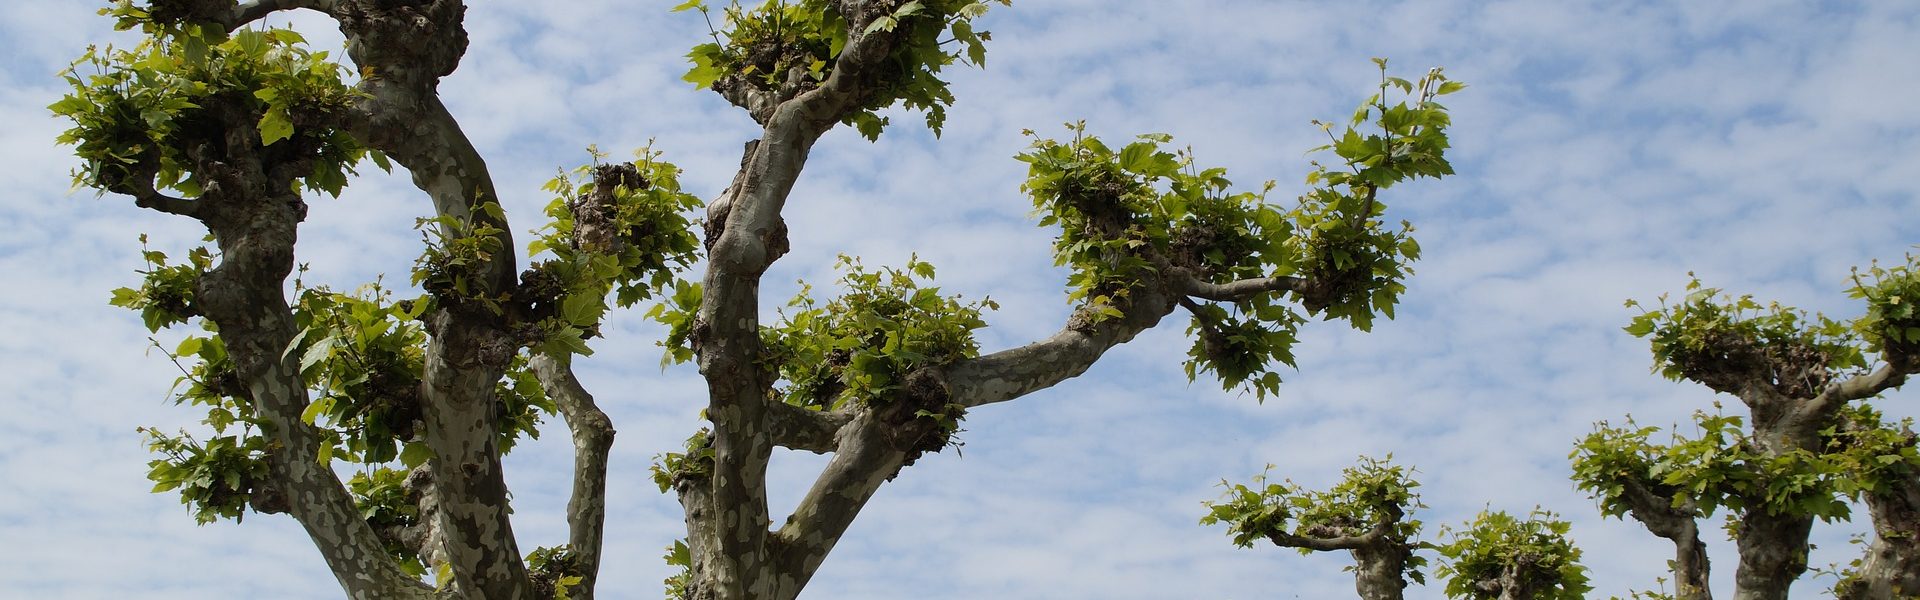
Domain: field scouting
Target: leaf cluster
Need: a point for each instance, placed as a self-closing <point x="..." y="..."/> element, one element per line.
<point x="166" y="294"/>
<point x="787" y="46"/>
<point x="215" y="478"/>
<point x="1720" y="466"/>
<point x="1876" y="457"/>
<point x="864" y="344"/>
<point x="386" y="502"/>
<point x="1128" y="216"/>
<point x="618" y="228"/>
<point x="1372" y="495"/>
<point x="1533" y="553"/>
<point x="1728" y="343"/>
<point x="554" y="571"/>
<point x="1892" y="325"/>
<point x="695" y="462"/>
<point x="148" y="116"/>
<point x="363" y="356"/>
<point x="457" y="252"/>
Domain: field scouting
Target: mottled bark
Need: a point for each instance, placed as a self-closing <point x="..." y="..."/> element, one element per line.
<point x="402" y="50"/>
<point x="1891" y="567"/>
<point x="250" y="206"/>
<point x="727" y="520"/>
<point x="592" y="442"/>
<point x="1380" y="557"/>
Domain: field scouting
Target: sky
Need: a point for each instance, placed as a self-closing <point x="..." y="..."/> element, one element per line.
<point x="1604" y="150"/>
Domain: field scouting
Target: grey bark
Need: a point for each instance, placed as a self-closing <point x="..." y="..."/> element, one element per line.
<point x="592" y="442"/>
<point x="249" y="206"/>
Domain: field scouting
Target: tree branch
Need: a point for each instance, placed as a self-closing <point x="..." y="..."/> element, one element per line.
<point x="145" y="196"/>
<point x="802" y="429"/>
<point x="248" y="12"/>
<point x="862" y="464"/>
<point x="592" y="441"/>
<point x="1016" y="372"/>
<point x="1892" y="375"/>
<point x="1238" y="290"/>
<point x="1324" y="544"/>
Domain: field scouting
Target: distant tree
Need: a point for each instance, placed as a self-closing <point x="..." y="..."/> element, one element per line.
<point x="1810" y="443"/>
<point x="1368" y="514"/>
<point x="1364" y="514"/>
<point x="214" y="119"/>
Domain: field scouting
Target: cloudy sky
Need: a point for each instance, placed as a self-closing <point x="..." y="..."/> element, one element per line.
<point x="1605" y="149"/>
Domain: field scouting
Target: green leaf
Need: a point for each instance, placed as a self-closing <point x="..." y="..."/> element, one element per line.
<point x="415" y="453"/>
<point x="688" y="5"/>
<point x="1450" y="87"/>
<point x="274" y="127"/>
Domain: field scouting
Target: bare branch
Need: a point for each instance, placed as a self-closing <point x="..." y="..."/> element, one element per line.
<point x="802" y="429"/>
<point x="592" y="442"/>
<point x="248" y="12"/>
<point x="1890" y="376"/>
<point x="1324" y="544"/>
<point x="1239" y="290"/>
<point x="145" y="196"/>
<point x="862" y="464"/>
<point x="1016" y="372"/>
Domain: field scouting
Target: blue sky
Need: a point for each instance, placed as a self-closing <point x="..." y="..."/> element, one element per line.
<point x="1605" y="149"/>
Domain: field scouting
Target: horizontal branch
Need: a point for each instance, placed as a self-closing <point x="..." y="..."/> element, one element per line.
<point x="802" y="429"/>
<point x="248" y="12"/>
<point x="1239" y="290"/>
<point x="1326" y="544"/>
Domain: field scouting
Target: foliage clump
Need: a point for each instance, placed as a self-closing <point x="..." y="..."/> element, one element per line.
<point x="1500" y="556"/>
<point x="786" y="47"/>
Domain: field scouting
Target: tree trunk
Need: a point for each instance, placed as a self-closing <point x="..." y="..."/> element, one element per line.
<point x="1891" y="568"/>
<point x="1378" y="572"/>
<point x="1690" y="566"/>
<point x="1773" y="553"/>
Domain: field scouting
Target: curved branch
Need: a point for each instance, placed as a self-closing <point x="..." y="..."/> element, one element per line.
<point x="1859" y="387"/>
<point x="145" y="196"/>
<point x="802" y="429"/>
<point x="248" y="12"/>
<point x="592" y="442"/>
<point x="1016" y="372"/>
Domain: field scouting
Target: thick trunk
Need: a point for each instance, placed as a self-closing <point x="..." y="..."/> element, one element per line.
<point x="1773" y="553"/>
<point x="1378" y="572"/>
<point x="1891" y="567"/>
<point x="465" y="360"/>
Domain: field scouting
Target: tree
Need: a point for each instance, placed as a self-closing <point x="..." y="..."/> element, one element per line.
<point x="1810" y="444"/>
<point x="1365" y="514"/>
<point x="213" y="119"/>
<point x="1368" y="514"/>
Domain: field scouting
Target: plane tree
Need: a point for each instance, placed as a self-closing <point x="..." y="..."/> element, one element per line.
<point x="1809" y="442"/>
<point x="1368" y="513"/>
<point x="377" y="417"/>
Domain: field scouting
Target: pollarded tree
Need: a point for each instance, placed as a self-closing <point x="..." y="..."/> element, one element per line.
<point x="1499" y="557"/>
<point x="1368" y="514"/>
<point x="212" y="119"/>
<point x="1364" y="514"/>
<point x="1802" y="452"/>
